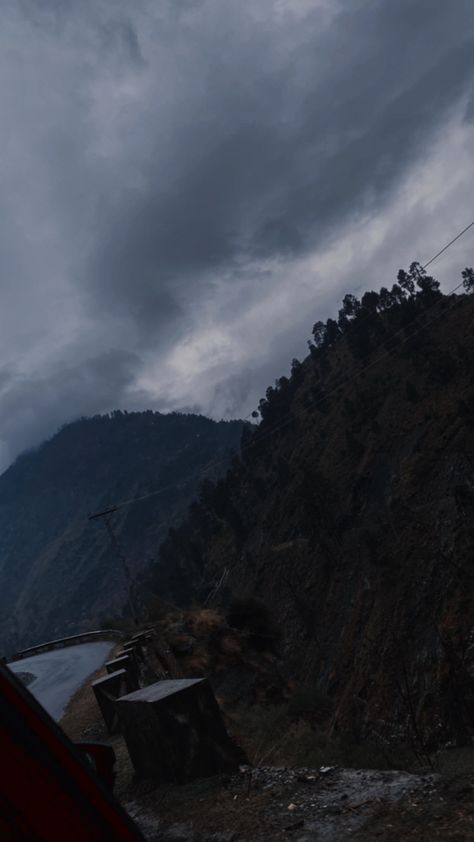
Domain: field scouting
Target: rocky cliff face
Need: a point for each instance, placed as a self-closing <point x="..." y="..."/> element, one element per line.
<point x="58" y="571"/>
<point x="351" y="515"/>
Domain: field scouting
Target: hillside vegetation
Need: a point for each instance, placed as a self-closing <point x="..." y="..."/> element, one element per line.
<point x="350" y="516"/>
<point x="59" y="572"/>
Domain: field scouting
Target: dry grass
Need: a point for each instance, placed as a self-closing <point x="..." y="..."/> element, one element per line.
<point x="196" y="665"/>
<point x="231" y="647"/>
<point x="212" y="644"/>
<point x="205" y="621"/>
<point x="273" y="736"/>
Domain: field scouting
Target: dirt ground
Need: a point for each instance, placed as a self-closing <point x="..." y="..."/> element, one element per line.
<point x="305" y="805"/>
<point x="274" y="804"/>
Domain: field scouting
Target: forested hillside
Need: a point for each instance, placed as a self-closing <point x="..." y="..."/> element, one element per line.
<point x="58" y="571"/>
<point x="350" y="515"/>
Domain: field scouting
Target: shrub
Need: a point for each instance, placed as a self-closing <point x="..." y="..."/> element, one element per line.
<point x="251" y="615"/>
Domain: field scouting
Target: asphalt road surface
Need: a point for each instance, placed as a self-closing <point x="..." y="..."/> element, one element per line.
<point x="59" y="673"/>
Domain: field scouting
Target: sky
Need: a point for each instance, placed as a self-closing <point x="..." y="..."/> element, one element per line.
<point x="188" y="185"/>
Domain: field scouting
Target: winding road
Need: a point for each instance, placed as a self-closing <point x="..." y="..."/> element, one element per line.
<point x="59" y="673"/>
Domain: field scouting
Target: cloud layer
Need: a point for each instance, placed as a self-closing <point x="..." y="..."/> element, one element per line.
<point x="188" y="184"/>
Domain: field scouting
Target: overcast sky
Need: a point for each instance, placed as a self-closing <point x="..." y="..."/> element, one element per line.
<point x="187" y="185"/>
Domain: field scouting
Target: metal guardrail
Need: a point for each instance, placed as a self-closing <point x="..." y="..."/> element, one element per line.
<point x="84" y="637"/>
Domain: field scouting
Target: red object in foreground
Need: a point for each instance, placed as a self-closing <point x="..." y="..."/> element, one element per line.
<point x="102" y="758"/>
<point x="48" y="791"/>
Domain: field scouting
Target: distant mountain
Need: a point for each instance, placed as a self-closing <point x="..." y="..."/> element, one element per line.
<point x="58" y="571"/>
<point x="350" y="514"/>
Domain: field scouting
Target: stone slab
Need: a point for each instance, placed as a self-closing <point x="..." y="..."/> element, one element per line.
<point x="163" y="689"/>
<point x="175" y="733"/>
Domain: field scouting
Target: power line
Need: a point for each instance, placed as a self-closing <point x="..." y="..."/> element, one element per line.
<point x="448" y="245"/>
<point x="281" y="425"/>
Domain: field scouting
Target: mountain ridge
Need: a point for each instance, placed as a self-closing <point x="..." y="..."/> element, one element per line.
<point x="349" y="515"/>
<point x="58" y="571"/>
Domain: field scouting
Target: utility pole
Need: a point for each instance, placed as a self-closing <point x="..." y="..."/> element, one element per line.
<point x="105" y="516"/>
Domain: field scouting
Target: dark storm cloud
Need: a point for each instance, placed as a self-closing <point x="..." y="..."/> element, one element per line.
<point x="281" y="132"/>
<point x="30" y="406"/>
<point x="187" y="180"/>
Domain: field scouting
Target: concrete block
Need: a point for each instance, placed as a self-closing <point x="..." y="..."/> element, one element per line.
<point x="106" y="691"/>
<point x="175" y="733"/>
<point x="129" y="653"/>
<point x="135" y="647"/>
<point x="125" y="662"/>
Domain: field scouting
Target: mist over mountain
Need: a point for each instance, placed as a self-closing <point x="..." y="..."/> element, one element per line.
<point x="59" y="573"/>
